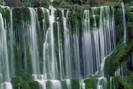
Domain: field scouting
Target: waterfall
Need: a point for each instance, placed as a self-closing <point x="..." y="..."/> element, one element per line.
<point x="86" y="40"/>
<point x="51" y="28"/>
<point x="11" y="44"/>
<point x="66" y="54"/>
<point x="60" y="51"/>
<point x="33" y="42"/>
<point x="67" y="45"/>
<point x="49" y="49"/>
<point x="108" y="33"/>
<point x="4" y="64"/>
<point x="102" y="36"/>
<point x="100" y="41"/>
<point x="82" y="84"/>
<point x="68" y="83"/>
<point x="124" y="22"/>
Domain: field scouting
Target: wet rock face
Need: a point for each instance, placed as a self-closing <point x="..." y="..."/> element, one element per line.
<point x="13" y="2"/>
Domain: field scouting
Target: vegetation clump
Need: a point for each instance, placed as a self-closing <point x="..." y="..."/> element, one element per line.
<point x="91" y="83"/>
<point x="117" y="58"/>
<point x="122" y="83"/>
<point x="24" y="82"/>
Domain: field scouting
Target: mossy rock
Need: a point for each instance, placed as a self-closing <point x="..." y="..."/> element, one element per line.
<point x="20" y="82"/>
<point x="1" y="1"/>
<point x="33" y="84"/>
<point x="5" y="11"/>
<point x="117" y="58"/>
<point x="65" y="5"/>
<point x="75" y="20"/>
<point x="25" y="3"/>
<point x="21" y="14"/>
<point x="40" y="3"/>
<point x="118" y="16"/>
<point x="91" y="83"/>
<point x="130" y="16"/>
<point x="75" y="84"/>
<point x="94" y="20"/>
<point x="56" y="3"/>
<point x="120" y="83"/>
<point x="130" y="30"/>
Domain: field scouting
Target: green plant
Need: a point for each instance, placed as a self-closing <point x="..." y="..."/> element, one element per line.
<point x="117" y="58"/>
<point x="120" y="83"/>
<point x="22" y="83"/>
<point x="1" y="1"/>
<point x="25" y="3"/>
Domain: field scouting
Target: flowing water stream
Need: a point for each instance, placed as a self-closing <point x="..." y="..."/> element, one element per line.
<point x="124" y="22"/>
<point x="4" y="63"/>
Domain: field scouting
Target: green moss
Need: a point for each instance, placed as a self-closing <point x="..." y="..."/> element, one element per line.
<point x="118" y="23"/>
<point x="93" y="2"/>
<point x="114" y="3"/>
<point x="120" y="83"/>
<point x="94" y="19"/>
<point x="86" y="6"/>
<point x="129" y="22"/>
<point x="21" y="19"/>
<point x="75" y="20"/>
<point x="5" y="13"/>
<point x="22" y="83"/>
<point x="65" y="5"/>
<point x="75" y="84"/>
<point x="130" y="30"/>
<point x="69" y="4"/>
<point x="33" y="84"/>
<point x="117" y="58"/>
<point x="25" y="3"/>
<point x="45" y="3"/>
<point x="46" y="15"/>
<point x="16" y="82"/>
<point x="21" y="14"/>
<point x="56" y="3"/>
<point x="1" y="1"/>
<point x="130" y="16"/>
<point x="129" y="25"/>
<point x="91" y="83"/>
<point x="40" y="3"/>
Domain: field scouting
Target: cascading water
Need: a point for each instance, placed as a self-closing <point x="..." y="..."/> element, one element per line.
<point x="82" y="84"/>
<point x="53" y="65"/>
<point x="124" y="23"/>
<point x="67" y="45"/>
<point x="11" y="44"/>
<point x="102" y="39"/>
<point x="33" y="43"/>
<point x="66" y="54"/>
<point x="4" y="64"/>
<point x="60" y="51"/>
<point x="108" y="33"/>
<point x="120" y="70"/>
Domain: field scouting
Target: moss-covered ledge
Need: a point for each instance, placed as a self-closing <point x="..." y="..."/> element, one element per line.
<point x="118" y="57"/>
<point x="120" y="82"/>
<point x="60" y="3"/>
<point x="24" y="82"/>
